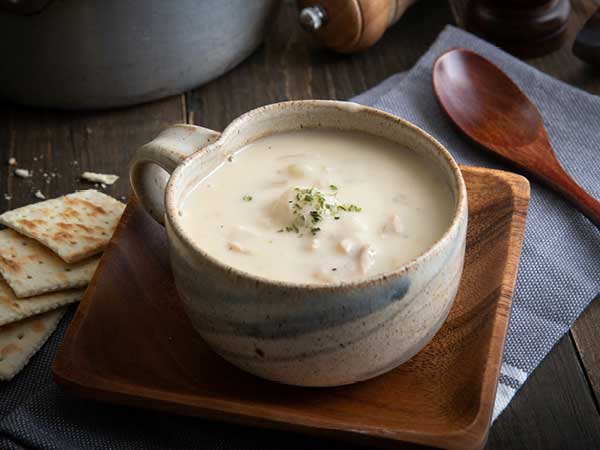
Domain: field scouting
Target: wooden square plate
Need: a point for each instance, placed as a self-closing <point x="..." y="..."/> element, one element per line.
<point x="131" y="343"/>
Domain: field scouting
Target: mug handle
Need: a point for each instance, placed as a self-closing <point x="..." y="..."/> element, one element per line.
<point x="154" y="162"/>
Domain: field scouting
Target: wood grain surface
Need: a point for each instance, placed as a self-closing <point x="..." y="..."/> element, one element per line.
<point x="151" y="357"/>
<point x="556" y="409"/>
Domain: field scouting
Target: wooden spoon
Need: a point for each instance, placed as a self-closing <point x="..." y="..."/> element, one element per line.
<point x="491" y="109"/>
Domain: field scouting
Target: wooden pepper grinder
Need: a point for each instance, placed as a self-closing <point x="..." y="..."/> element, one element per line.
<point x="524" y="28"/>
<point x="349" y="26"/>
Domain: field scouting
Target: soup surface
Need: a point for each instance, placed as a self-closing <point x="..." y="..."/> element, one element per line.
<point x="319" y="206"/>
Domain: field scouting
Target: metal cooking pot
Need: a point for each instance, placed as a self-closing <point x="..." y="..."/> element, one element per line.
<point x="100" y="54"/>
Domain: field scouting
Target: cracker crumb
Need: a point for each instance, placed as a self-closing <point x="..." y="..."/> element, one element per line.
<point x="7" y="197"/>
<point x="102" y="178"/>
<point x="39" y="195"/>
<point x="103" y="186"/>
<point x="12" y="162"/>
<point x="23" y="173"/>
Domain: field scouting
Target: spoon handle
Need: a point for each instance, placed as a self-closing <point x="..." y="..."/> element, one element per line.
<point x="558" y="178"/>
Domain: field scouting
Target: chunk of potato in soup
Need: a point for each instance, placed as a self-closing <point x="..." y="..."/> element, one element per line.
<point x="319" y="206"/>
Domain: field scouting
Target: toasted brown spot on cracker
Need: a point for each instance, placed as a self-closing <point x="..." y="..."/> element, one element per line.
<point x="97" y="210"/>
<point x="62" y="236"/>
<point x="13" y="266"/>
<point x="5" y="300"/>
<point x="9" y="348"/>
<point x="38" y="326"/>
<point x="70" y="226"/>
<point x="84" y="228"/>
<point x="70" y="212"/>
<point x="31" y="224"/>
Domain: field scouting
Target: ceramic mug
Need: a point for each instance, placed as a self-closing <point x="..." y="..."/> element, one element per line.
<point x="302" y="334"/>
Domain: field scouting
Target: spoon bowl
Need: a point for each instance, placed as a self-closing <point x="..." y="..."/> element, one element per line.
<point x="486" y="105"/>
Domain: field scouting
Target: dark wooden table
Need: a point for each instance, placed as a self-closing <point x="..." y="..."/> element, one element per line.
<point x="558" y="408"/>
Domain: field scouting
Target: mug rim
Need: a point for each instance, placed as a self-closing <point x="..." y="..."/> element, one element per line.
<point x="240" y="121"/>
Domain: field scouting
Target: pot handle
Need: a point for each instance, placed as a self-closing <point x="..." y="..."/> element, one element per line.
<point x="154" y="162"/>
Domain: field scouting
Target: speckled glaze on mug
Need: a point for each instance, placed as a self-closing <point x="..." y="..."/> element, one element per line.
<point x="302" y="334"/>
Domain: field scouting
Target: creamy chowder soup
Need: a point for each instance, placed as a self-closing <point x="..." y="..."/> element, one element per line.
<point x="319" y="206"/>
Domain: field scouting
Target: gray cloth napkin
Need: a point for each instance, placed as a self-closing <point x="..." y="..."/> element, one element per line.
<point x="559" y="276"/>
<point x="559" y="273"/>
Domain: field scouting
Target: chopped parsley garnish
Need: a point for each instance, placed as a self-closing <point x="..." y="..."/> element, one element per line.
<point x="247" y="198"/>
<point x="311" y="206"/>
